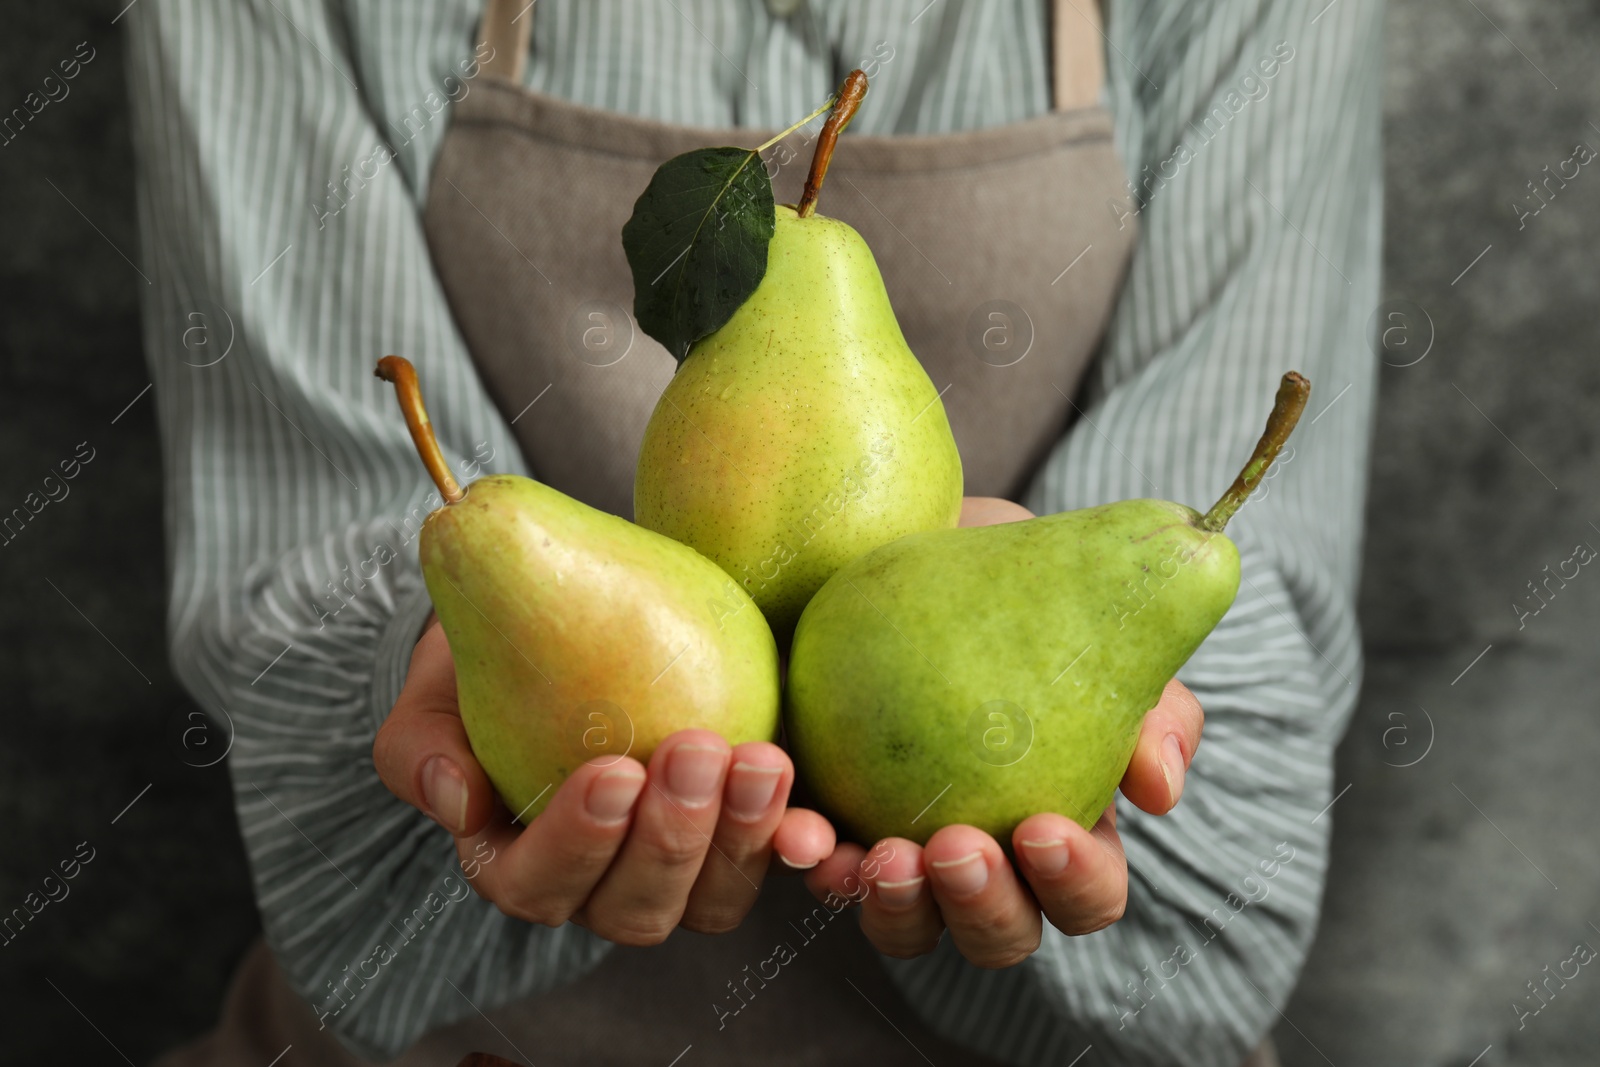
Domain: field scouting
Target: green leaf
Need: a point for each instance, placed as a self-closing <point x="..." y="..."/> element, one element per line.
<point x="697" y="243"/>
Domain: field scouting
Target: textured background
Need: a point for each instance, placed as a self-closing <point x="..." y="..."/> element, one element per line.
<point x="1437" y="914"/>
<point x="1456" y="878"/>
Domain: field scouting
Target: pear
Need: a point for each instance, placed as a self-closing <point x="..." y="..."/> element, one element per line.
<point x="803" y="432"/>
<point x="985" y="674"/>
<point x="577" y="634"/>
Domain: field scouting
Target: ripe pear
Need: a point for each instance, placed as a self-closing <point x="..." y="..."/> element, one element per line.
<point x="577" y="634"/>
<point x="803" y="432"/>
<point x="985" y="674"/>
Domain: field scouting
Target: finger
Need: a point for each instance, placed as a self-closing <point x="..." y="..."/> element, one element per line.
<point x="991" y="916"/>
<point x="421" y="751"/>
<point x="836" y="875"/>
<point x="545" y="872"/>
<point x="803" y="839"/>
<point x="991" y="511"/>
<point x="1079" y="877"/>
<point x="899" y="916"/>
<point x="754" y="798"/>
<point x="641" y="898"/>
<point x="1167" y="743"/>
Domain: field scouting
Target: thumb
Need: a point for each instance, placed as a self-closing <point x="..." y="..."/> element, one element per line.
<point x="421" y="751"/>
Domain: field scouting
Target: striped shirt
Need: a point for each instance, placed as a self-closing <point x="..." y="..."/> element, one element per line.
<point x="1250" y="133"/>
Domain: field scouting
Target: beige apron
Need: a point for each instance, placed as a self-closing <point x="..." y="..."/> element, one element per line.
<point x="1002" y="265"/>
<point x="996" y="248"/>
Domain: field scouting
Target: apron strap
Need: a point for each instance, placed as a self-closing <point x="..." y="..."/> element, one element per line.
<point x="1078" y="67"/>
<point x="1077" y="57"/>
<point x="507" y="27"/>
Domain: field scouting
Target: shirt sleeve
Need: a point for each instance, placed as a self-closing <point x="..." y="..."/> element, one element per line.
<point x="279" y="218"/>
<point x="1250" y="132"/>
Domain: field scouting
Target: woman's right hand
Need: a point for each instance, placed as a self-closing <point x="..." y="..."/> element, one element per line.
<point x="628" y="851"/>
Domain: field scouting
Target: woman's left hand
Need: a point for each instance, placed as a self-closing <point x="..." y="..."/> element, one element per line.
<point x="962" y="881"/>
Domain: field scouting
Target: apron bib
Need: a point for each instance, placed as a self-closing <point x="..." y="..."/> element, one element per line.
<point x="996" y="249"/>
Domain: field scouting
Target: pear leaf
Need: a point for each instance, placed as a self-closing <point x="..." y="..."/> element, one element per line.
<point x="697" y="243"/>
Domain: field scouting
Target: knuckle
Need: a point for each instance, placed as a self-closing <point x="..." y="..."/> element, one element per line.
<point x="532" y="910"/>
<point x="1003" y="958"/>
<point x="718" y="920"/>
<point x="637" y="931"/>
<point x="1011" y="959"/>
<point x="999" y="939"/>
<point x="1096" y="921"/>
<point x="384" y="751"/>
<point x="1188" y="706"/>
<point x="718" y="907"/>
<point x="513" y="909"/>
<point x="1013" y="952"/>
<point x="582" y="852"/>
<point x="673" y="850"/>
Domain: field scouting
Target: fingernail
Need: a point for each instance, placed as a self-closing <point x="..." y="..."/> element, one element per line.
<point x="965" y="876"/>
<point x="1172" y="766"/>
<point x="750" y="790"/>
<point x="445" y="789"/>
<point x="694" y="772"/>
<point x="1047" y="857"/>
<point x="901" y="894"/>
<point x="611" y="795"/>
<point x="798" y="866"/>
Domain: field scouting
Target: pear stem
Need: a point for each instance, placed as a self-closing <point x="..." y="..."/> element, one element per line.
<point x="1286" y="410"/>
<point x="398" y="369"/>
<point x="844" y="108"/>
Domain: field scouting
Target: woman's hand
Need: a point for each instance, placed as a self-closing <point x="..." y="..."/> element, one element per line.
<point x="626" y="850"/>
<point x="961" y="880"/>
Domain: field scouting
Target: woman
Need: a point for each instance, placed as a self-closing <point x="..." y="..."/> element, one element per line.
<point x="324" y="182"/>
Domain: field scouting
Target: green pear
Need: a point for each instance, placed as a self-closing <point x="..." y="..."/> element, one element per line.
<point x="803" y="432"/>
<point x="577" y="634"/>
<point x="985" y="674"/>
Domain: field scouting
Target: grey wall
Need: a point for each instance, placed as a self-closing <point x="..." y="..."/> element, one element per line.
<point x="147" y="935"/>
<point x="1444" y="899"/>
<point x="1458" y="879"/>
